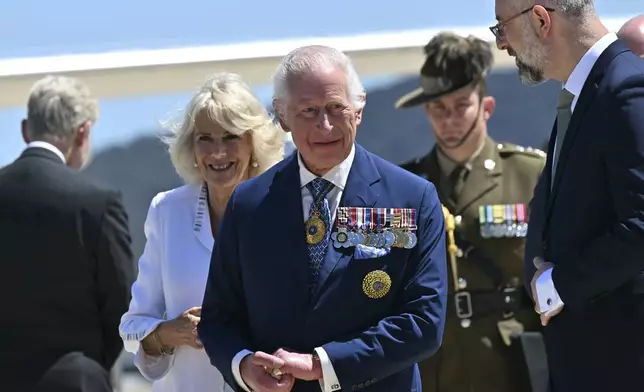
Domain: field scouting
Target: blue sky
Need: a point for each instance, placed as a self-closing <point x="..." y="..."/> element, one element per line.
<point x="39" y="28"/>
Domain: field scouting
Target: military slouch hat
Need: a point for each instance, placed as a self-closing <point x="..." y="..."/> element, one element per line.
<point x="452" y="62"/>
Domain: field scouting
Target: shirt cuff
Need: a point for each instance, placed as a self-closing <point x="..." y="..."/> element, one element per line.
<point x="547" y="295"/>
<point x="237" y="370"/>
<point x="153" y="368"/>
<point x="329" y="381"/>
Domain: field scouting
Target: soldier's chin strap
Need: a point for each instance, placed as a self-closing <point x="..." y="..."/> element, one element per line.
<point x="469" y="132"/>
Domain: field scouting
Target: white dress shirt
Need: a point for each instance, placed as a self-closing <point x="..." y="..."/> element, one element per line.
<point x="548" y="297"/>
<point x="172" y="279"/>
<point x="47" y="146"/>
<point x="337" y="176"/>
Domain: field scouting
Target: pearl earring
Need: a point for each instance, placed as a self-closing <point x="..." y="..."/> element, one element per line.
<point x="254" y="164"/>
<point x="195" y="164"/>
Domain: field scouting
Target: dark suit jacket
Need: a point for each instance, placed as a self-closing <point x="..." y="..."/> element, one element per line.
<point x="66" y="265"/>
<point x="257" y="290"/>
<point x="591" y="226"/>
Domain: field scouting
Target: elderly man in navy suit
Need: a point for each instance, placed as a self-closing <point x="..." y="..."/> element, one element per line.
<point x="585" y="243"/>
<point x="330" y="270"/>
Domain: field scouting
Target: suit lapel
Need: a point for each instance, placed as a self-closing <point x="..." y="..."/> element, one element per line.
<point x="549" y="158"/>
<point x="484" y="176"/>
<point x="584" y="101"/>
<point x="286" y="206"/>
<point x="358" y="192"/>
<point x="201" y="225"/>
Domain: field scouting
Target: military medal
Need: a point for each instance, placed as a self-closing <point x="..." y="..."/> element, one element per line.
<point x="511" y="219"/>
<point x="486" y="221"/>
<point x="379" y="241"/>
<point x="399" y="238"/>
<point x="413" y="240"/>
<point x="369" y="237"/>
<point x="376" y="284"/>
<point x="409" y="223"/>
<point x="354" y="238"/>
<point x="522" y="221"/>
<point x="498" y="220"/>
<point x="340" y="238"/>
<point x="357" y="219"/>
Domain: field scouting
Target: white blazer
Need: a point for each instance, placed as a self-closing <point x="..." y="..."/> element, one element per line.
<point x="172" y="279"/>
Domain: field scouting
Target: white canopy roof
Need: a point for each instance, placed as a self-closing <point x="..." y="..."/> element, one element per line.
<point x="151" y="72"/>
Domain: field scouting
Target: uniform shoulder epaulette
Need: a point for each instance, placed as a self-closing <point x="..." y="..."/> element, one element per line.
<point x="411" y="164"/>
<point x="506" y="149"/>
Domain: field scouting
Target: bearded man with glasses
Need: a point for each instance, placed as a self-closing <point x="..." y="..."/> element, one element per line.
<point x="585" y="246"/>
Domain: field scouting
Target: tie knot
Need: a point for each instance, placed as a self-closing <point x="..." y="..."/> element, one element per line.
<point x="319" y="187"/>
<point x="565" y="99"/>
<point x="459" y="171"/>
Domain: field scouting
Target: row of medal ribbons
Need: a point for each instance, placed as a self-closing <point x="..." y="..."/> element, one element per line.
<point x="503" y="220"/>
<point x="375" y="227"/>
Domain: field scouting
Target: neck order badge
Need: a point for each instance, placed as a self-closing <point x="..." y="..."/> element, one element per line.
<point x="316" y="227"/>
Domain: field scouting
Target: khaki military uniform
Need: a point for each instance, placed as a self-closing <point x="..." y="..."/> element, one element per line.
<point x="475" y="355"/>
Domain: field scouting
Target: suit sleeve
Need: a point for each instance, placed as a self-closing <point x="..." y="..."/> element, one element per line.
<point x="114" y="274"/>
<point x="147" y="307"/>
<point x="415" y="329"/>
<point x="616" y="255"/>
<point x="223" y="328"/>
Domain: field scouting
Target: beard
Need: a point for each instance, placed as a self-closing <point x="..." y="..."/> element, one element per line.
<point x="533" y="61"/>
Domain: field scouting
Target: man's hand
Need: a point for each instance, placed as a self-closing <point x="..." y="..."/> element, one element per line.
<point x="253" y="372"/>
<point x="542" y="266"/>
<point x="302" y="366"/>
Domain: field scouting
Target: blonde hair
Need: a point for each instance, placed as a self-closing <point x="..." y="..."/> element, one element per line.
<point x="230" y="102"/>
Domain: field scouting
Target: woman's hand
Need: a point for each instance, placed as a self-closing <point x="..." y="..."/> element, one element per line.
<point x="174" y="333"/>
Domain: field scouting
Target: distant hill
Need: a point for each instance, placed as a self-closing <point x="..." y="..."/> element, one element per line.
<point x="139" y="170"/>
<point x="524" y="115"/>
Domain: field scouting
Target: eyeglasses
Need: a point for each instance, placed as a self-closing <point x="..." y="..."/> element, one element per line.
<point x="497" y="29"/>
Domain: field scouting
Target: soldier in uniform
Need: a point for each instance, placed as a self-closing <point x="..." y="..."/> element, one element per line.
<point x="487" y="186"/>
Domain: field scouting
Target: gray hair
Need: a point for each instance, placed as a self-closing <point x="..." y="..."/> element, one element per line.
<point x="307" y="58"/>
<point x="567" y="8"/>
<point x="574" y="8"/>
<point x="230" y="102"/>
<point x="58" y="106"/>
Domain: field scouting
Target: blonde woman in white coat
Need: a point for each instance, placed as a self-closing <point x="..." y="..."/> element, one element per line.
<point x="226" y="137"/>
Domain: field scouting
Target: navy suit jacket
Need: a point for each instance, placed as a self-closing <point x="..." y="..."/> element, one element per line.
<point x="591" y="226"/>
<point x="257" y="295"/>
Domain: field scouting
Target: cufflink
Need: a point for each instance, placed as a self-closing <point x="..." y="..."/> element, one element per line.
<point x="549" y="301"/>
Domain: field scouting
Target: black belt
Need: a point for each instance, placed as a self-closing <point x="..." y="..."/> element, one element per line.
<point x="480" y="303"/>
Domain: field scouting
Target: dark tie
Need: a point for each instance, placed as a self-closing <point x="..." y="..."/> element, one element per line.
<point x="456" y="182"/>
<point x="564" y="112"/>
<point x="319" y="188"/>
